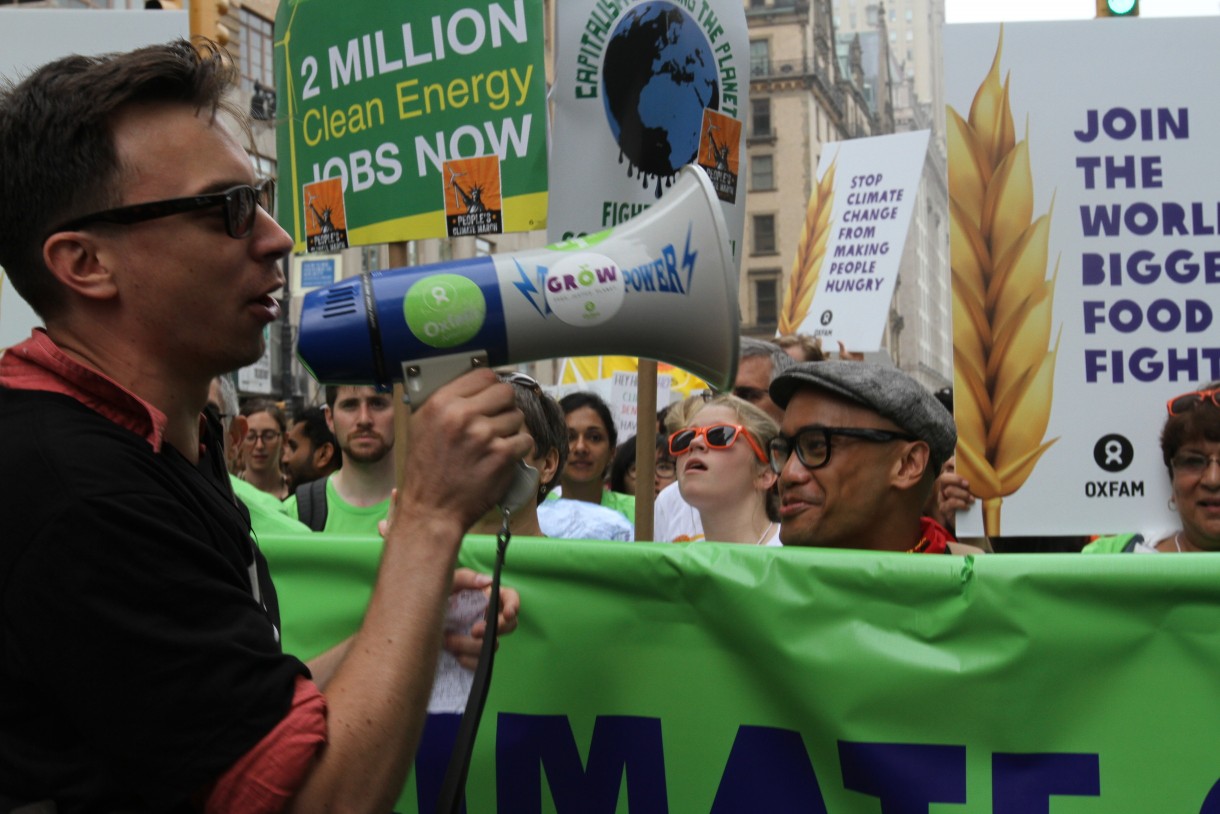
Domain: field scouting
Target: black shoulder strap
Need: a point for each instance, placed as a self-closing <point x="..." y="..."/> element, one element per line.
<point x="1132" y="543"/>
<point x="311" y="504"/>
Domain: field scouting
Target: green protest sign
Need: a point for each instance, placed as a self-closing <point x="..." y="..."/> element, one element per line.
<point x="714" y="678"/>
<point x="433" y="118"/>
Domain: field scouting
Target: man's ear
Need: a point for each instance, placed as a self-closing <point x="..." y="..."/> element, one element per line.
<point x="238" y="425"/>
<point x="323" y="455"/>
<point x="910" y="468"/>
<point x="547" y="469"/>
<point x="766" y="478"/>
<point x="77" y="262"/>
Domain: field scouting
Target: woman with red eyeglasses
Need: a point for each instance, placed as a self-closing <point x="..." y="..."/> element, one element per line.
<point x="1190" y="447"/>
<point x="723" y="471"/>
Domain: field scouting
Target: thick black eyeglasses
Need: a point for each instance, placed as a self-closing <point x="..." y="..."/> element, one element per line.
<point x="240" y="202"/>
<point x="812" y="444"/>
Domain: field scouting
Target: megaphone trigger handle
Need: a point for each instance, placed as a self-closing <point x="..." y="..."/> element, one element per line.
<point x="422" y="377"/>
<point x="523" y="489"/>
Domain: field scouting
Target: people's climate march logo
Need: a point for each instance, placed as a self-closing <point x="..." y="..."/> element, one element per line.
<point x="1002" y="300"/>
<point x="325" y="216"/>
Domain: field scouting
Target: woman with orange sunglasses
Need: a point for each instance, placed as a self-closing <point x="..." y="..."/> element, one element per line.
<point x="723" y="471"/>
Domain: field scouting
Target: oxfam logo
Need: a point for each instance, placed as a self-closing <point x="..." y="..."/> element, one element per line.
<point x="585" y="289"/>
<point x="444" y="310"/>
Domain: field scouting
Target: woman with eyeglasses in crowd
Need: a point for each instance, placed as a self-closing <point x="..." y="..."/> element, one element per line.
<point x="623" y="469"/>
<point x="1190" y="447"/>
<point x="262" y="448"/>
<point x="723" y="471"/>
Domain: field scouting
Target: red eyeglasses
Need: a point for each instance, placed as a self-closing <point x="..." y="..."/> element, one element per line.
<point x="1188" y="401"/>
<point x="717" y="436"/>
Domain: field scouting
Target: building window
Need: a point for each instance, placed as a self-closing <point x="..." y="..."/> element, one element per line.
<point x="257" y="52"/>
<point x="764" y="234"/>
<point x="766" y="297"/>
<point x="758" y="3"/>
<point x="762" y="172"/>
<point x="760" y="117"/>
<point x="760" y="57"/>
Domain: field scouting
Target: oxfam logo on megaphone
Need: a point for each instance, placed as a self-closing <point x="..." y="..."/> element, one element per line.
<point x="444" y="310"/>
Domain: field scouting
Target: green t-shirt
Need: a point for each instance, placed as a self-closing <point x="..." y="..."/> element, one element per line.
<point x="1108" y="545"/>
<point x="267" y="515"/>
<point x="344" y="518"/>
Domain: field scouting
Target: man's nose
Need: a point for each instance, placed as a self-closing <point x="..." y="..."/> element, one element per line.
<point x="793" y="471"/>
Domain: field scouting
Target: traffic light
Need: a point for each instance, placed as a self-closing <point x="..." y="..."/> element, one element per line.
<point x="1118" y="8"/>
<point x="207" y="20"/>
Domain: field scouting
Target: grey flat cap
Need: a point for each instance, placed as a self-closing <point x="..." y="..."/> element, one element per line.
<point x="883" y="389"/>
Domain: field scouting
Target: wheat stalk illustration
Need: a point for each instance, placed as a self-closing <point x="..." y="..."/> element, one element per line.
<point x="1002" y="301"/>
<point x="810" y="253"/>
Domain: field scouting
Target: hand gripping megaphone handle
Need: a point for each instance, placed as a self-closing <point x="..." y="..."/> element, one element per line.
<point x="422" y="377"/>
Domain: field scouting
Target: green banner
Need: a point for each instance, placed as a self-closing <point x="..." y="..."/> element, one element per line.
<point x="720" y="678"/>
<point x="395" y="99"/>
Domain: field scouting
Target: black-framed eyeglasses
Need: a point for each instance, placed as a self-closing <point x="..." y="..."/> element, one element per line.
<point x="268" y="437"/>
<point x="213" y="411"/>
<point x="812" y="444"/>
<point x="241" y="204"/>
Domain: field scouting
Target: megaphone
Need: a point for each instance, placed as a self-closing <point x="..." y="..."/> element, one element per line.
<point x="662" y="286"/>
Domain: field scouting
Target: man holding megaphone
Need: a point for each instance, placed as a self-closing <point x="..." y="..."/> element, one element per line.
<point x="140" y="665"/>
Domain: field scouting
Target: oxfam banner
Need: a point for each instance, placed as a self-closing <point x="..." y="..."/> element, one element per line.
<point x="718" y="678"/>
<point x="642" y="89"/>
<point x="433" y="120"/>
<point x="1086" y="271"/>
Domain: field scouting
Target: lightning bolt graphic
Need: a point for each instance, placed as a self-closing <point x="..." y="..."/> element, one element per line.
<point x="688" y="257"/>
<point x="527" y="287"/>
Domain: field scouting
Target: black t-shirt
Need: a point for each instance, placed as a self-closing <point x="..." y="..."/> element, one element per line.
<point x="136" y="664"/>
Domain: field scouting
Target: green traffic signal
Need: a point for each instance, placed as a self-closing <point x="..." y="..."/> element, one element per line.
<point x="1122" y="8"/>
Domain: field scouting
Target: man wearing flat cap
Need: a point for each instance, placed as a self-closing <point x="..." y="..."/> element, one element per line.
<point x="858" y="454"/>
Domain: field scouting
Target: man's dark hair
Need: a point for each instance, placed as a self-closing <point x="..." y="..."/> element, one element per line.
<point x="316" y="429"/>
<point x="624" y="459"/>
<point x="57" y="152"/>
<point x="574" y="401"/>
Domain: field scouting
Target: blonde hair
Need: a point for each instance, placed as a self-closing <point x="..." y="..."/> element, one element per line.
<point x="758" y="424"/>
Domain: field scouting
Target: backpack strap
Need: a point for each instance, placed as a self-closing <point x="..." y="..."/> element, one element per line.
<point x="1132" y="543"/>
<point x="311" y="504"/>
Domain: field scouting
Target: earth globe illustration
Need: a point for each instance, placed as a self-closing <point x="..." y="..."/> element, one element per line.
<point x="658" y="76"/>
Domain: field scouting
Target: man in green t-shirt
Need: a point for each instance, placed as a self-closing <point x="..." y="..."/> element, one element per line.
<point x="355" y="498"/>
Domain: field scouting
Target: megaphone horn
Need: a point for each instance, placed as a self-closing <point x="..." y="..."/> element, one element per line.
<point x="662" y="286"/>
